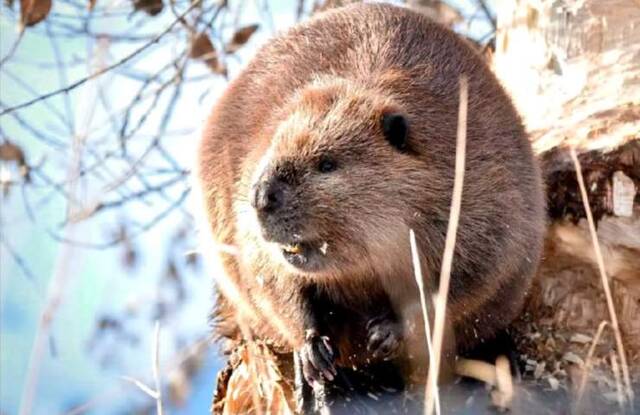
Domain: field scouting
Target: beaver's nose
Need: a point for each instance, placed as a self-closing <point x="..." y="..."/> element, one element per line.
<point x="268" y="196"/>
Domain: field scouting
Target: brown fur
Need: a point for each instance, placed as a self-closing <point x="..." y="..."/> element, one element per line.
<point x="321" y="88"/>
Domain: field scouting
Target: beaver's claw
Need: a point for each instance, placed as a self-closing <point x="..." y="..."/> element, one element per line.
<point x="318" y="359"/>
<point x="384" y="338"/>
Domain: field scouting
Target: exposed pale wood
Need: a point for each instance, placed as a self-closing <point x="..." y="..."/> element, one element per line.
<point x="573" y="70"/>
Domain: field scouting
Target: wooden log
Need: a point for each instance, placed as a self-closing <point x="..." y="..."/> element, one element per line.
<point x="573" y="70"/>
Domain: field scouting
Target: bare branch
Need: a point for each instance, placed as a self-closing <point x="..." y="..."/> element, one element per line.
<point x="18" y="259"/>
<point x="104" y="70"/>
<point x="14" y="47"/>
<point x="490" y="18"/>
<point x="144" y="388"/>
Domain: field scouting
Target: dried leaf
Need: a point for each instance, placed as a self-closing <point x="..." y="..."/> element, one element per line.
<point x="12" y="152"/>
<point x="193" y="260"/>
<point x="202" y="48"/>
<point x="91" y="5"/>
<point x="580" y="338"/>
<point x="172" y="271"/>
<point x="151" y="7"/>
<point x="573" y="358"/>
<point x="241" y="37"/>
<point x="130" y="256"/>
<point x="34" y="11"/>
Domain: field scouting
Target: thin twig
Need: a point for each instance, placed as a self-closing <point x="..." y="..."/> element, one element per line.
<point x="140" y="385"/>
<point x="116" y="391"/>
<point x="605" y="280"/>
<point x="18" y="259"/>
<point x="156" y="368"/>
<point x="104" y="70"/>
<point x="14" y="47"/>
<point x="116" y="240"/>
<point x="476" y="369"/>
<point x="502" y="397"/>
<point x="95" y="402"/>
<point x="587" y="365"/>
<point x="417" y="273"/>
<point x="450" y="242"/>
<point x="488" y="15"/>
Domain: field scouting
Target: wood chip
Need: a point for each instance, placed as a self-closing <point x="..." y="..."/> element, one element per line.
<point x="581" y="338"/>
<point x="539" y="371"/>
<point x="573" y="358"/>
<point x="624" y="193"/>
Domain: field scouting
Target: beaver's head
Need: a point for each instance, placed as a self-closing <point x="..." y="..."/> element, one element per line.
<point x="333" y="192"/>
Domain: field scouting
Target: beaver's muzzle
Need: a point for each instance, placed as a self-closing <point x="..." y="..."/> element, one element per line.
<point x="272" y="200"/>
<point x="268" y="196"/>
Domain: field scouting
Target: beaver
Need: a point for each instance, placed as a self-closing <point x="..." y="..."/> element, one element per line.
<point x="333" y="143"/>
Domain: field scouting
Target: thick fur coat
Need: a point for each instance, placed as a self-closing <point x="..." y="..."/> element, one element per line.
<point x="321" y="91"/>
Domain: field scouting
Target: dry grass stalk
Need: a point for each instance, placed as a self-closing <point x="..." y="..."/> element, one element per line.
<point x="447" y="258"/>
<point x="616" y="376"/>
<point x="155" y="360"/>
<point x="605" y="280"/>
<point x="587" y="365"/>
<point x="140" y="385"/>
<point x="476" y="369"/>
<point x="503" y="395"/>
<point x="498" y="376"/>
<point x="157" y="393"/>
<point x="156" y="368"/>
<point x="116" y="392"/>
<point x="417" y="273"/>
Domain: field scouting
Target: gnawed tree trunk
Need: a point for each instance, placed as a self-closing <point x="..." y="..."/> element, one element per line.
<point x="573" y="70"/>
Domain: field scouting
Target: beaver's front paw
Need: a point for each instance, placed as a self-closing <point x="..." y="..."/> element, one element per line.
<point x="318" y="358"/>
<point x="384" y="337"/>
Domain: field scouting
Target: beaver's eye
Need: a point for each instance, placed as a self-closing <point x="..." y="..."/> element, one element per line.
<point x="396" y="130"/>
<point x="327" y="165"/>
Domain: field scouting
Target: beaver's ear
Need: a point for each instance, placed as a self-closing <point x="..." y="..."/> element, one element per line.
<point x="395" y="127"/>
